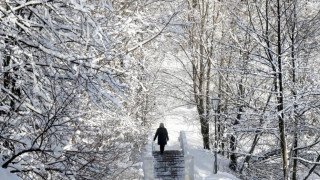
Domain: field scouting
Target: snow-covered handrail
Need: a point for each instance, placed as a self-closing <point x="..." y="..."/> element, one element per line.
<point x="149" y="145"/>
<point x="183" y="143"/>
<point x="148" y="167"/>
<point x="188" y="160"/>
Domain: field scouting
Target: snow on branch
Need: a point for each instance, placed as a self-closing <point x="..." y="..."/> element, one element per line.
<point x="307" y="161"/>
<point x="155" y="36"/>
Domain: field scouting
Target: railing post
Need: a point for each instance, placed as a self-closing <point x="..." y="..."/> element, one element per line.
<point x="148" y="166"/>
<point x="188" y="160"/>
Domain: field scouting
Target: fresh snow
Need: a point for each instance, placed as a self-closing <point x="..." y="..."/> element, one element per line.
<point x="184" y="119"/>
<point x="6" y="175"/>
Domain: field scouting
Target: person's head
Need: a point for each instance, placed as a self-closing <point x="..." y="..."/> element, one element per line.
<point x="161" y="125"/>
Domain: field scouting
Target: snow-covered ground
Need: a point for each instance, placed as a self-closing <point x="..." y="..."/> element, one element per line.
<point x="184" y="119"/>
<point x="181" y="119"/>
<point x="6" y="175"/>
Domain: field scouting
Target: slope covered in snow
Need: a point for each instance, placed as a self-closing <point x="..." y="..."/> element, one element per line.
<point x="184" y="119"/>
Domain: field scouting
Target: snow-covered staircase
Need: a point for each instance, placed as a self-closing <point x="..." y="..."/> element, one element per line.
<point x="169" y="165"/>
<point x="173" y="164"/>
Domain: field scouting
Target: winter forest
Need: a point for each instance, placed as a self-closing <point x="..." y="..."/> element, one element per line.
<point x="84" y="81"/>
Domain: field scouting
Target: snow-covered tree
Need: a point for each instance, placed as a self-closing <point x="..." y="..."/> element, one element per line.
<point x="278" y="51"/>
<point x="68" y="90"/>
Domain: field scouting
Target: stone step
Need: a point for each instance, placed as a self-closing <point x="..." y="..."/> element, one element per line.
<point x="165" y="177"/>
<point x="168" y="166"/>
<point x="168" y="152"/>
<point x="167" y="155"/>
<point x="169" y="159"/>
<point x="172" y="175"/>
<point x="169" y="169"/>
<point x="169" y="177"/>
<point x="166" y="173"/>
<point x="169" y="163"/>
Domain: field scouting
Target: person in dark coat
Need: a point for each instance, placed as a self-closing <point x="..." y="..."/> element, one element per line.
<point x="163" y="137"/>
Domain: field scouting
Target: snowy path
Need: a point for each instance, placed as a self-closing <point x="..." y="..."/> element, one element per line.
<point x="183" y="119"/>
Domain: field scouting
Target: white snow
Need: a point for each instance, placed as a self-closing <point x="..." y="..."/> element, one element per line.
<point x="6" y="175"/>
<point x="184" y="119"/>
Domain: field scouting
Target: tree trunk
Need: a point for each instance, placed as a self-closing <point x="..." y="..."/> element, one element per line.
<point x="293" y="61"/>
<point x="208" y="100"/>
<point x="220" y="125"/>
<point x="233" y="143"/>
<point x="9" y="81"/>
<point x="200" y="69"/>
<point x="280" y="98"/>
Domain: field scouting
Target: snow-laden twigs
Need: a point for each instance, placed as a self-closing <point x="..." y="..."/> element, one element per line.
<point x="307" y="161"/>
<point x="30" y="3"/>
<point x="154" y="36"/>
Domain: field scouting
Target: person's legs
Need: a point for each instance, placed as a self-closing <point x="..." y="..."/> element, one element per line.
<point x="161" y="148"/>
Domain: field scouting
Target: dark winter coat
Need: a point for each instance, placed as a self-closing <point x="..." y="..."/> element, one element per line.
<point x="163" y="137"/>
